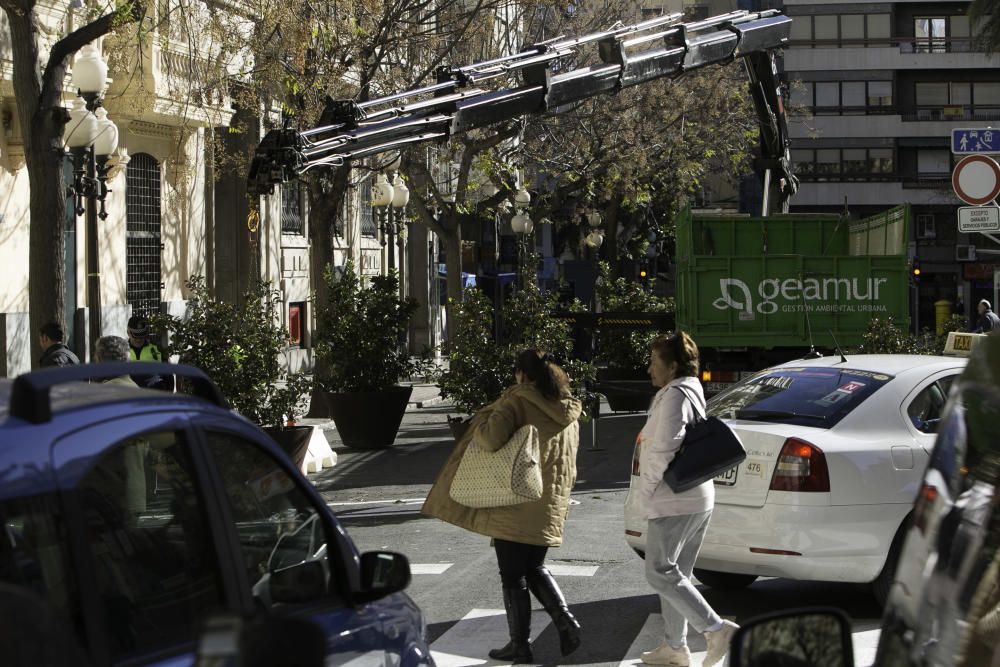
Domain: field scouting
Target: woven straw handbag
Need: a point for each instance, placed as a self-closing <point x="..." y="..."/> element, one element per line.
<point x="509" y="476"/>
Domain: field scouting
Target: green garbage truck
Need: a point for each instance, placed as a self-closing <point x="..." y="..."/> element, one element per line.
<point x="757" y="291"/>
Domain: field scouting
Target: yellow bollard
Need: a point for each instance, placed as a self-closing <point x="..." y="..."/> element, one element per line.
<point x="942" y="313"/>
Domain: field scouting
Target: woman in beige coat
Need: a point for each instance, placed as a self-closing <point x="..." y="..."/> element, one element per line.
<point x="523" y="533"/>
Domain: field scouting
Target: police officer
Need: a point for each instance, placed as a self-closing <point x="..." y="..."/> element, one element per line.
<point x="143" y="350"/>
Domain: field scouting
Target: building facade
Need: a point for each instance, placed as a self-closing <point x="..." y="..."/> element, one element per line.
<point x="876" y="89"/>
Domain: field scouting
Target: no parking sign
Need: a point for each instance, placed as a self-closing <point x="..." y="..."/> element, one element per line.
<point x="976" y="179"/>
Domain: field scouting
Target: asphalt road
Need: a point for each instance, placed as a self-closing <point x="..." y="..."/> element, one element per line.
<point x="377" y="496"/>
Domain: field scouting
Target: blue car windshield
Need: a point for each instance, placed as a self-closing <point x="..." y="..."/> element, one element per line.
<point x="818" y="397"/>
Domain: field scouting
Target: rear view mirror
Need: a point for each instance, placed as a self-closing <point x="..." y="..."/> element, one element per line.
<point x="796" y="638"/>
<point x="382" y="573"/>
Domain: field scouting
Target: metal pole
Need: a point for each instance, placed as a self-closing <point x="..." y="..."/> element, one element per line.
<point x="390" y="241"/>
<point x="93" y="257"/>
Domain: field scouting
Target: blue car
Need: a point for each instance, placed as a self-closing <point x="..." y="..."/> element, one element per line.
<point x="137" y="514"/>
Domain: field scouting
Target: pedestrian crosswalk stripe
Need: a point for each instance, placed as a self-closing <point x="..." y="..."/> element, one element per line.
<point x="429" y="568"/>
<point x="865" y="647"/>
<point x="467" y="643"/>
<point x="561" y="570"/>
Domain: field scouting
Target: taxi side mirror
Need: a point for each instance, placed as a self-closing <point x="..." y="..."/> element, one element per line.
<point x="794" y="638"/>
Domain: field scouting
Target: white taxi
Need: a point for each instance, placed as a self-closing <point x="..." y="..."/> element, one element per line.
<point x="836" y="449"/>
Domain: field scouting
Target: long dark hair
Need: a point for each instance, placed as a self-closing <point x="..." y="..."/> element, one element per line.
<point x="678" y="348"/>
<point x="542" y="369"/>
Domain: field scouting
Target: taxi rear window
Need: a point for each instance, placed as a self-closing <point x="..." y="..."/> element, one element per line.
<point x="818" y="397"/>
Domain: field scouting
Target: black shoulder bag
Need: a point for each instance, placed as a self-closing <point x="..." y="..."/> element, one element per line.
<point x="709" y="449"/>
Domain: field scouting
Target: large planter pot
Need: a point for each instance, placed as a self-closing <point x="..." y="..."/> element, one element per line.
<point x="369" y="420"/>
<point x="626" y="390"/>
<point x="294" y="440"/>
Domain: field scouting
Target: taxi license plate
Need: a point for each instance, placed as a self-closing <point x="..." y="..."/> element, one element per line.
<point x="727" y="478"/>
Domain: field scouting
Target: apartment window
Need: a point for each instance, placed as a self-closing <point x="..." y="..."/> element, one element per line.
<point x="926" y="226"/>
<point x="880" y="161"/>
<point x="931" y="34"/>
<point x="853" y="97"/>
<point x="854" y="29"/>
<point x="932" y="94"/>
<point x="366" y="210"/>
<point x="880" y="93"/>
<point x="296" y="319"/>
<point x="827" y="95"/>
<point x="933" y="162"/>
<point x="843" y="97"/>
<point x="825" y="27"/>
<point x="986" y="94"/>
<point x="854" y="162"/>
<point x="827" y="162"/>
<point x="879" y="27"/>
<point x="291" y="208"/>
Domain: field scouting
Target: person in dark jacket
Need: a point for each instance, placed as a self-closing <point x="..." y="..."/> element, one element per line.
<point x="54" y="351"/>
<point x="988" y="320"/>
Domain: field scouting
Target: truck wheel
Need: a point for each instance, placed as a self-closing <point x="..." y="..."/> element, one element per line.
<point x="725" y="581"/>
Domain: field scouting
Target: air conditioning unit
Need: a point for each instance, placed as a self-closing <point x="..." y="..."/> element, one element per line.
<point x="965" y="253"/>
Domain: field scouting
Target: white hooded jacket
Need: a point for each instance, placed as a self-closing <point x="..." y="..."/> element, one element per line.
<point x="659" y="441"/>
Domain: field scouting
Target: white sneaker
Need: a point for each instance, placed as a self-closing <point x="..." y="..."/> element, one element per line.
<point x="718" y="643"/>
<point x="665" y="654"/>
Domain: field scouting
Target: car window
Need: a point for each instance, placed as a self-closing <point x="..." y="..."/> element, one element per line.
<point x="155" y="565"/>
<point x="809" y="396"/>
<point x="925" y="409"/>
<point x="34" y="553"/>
<point x="277" y="524"/>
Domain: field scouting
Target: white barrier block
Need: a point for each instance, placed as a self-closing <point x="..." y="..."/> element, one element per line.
<point x="320" y="455"/>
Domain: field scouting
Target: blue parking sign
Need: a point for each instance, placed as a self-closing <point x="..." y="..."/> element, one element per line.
<point x="967" y="141"/>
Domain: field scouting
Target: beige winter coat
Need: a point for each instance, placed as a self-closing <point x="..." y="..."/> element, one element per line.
<point x="539" y="522"/>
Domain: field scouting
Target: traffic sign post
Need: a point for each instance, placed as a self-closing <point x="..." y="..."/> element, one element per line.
<point x="976" y="179"/>
<point x="978" y="219"/>
<point x="969" y="141"/>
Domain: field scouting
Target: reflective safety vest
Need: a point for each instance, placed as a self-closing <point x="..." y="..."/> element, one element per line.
<point x="149" y="352"/>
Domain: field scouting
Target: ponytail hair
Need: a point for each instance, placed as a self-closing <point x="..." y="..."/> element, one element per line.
<point x="679" y="349"/>
<point x="542" y="369"/>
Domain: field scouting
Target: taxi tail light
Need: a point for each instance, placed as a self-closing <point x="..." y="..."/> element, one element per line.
<point x="925" y="504"/>
<point x="801" y="467"/>
<point x="720" y="376"/>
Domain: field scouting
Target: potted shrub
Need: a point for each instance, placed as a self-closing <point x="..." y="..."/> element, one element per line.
<point x="360" y="342"/>
<point x="623" y="356"/>
<point x="240" y="346"/>
<point x="478" y="370"/>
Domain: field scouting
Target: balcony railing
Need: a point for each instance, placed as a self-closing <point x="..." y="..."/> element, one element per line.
<point x="904" y="44"/>
<point x="952" y="112"/>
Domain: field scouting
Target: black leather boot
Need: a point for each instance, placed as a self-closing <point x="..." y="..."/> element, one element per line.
<point x="517" y="602"/>
<point x="545" y="588"/>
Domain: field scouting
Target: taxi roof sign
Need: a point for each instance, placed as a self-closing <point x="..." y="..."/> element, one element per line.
<point x="960" y="344"/>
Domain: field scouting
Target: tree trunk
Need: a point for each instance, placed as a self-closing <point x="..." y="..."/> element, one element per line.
<point x="324" y="209"/>
<point x="42" y="128"/>
<point x="453" y="265"/>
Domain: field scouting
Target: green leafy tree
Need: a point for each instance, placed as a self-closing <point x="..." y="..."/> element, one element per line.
<point x="240" y="346"/>
<point x="627" y="350"/>
<point x="478" y="369"/>
<point x="362" y="332"/>
<point x="985" y="15"/>
<point x="885" y="336"/>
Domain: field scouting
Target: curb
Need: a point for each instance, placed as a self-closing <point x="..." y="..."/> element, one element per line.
<point x="428" y="402"/>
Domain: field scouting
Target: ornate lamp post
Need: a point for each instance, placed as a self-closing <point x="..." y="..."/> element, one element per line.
<point x="91" y="138"/>
<point x="391" y="199"/>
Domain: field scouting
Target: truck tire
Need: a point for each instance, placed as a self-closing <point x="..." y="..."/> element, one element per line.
<point x="724" y="581"/>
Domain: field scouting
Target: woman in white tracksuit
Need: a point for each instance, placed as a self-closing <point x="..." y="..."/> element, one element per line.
<point x="677" y="521"/>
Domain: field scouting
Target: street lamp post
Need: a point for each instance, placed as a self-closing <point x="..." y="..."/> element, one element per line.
<point x="522" y="225"/>
<point x="91" y="137"/>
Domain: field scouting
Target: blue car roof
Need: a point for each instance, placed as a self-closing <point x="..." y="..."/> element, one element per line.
<point x="25" y="447"/>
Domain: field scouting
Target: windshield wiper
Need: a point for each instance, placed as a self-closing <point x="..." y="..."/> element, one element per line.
<point x="775" y="414"/>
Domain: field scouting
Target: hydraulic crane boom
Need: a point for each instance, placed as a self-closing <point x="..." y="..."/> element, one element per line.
<point x="458" y="102"/>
